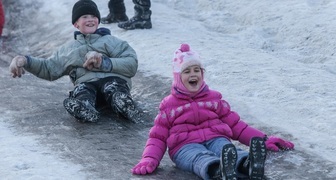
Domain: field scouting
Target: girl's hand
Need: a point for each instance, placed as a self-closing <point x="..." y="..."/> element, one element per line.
<point x="275" y="144"/>
<point x="145" y="166"/>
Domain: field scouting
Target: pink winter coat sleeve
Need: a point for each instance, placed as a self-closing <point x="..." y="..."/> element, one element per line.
<point x="156" y="144"/>
<point x="241" y="131"/>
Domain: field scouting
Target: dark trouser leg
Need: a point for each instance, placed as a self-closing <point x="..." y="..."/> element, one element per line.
<point x="141" y="18"/>
<point x="117" y="94"/>
<point x="85" y="92"/>
<point x="117" y="12"/>
<point x="81" y="103"/>
<point x="118" y="7"/>
<point x="142" y="6"/>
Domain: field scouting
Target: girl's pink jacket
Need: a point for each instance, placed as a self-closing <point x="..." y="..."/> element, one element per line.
<point x="183" y="120"/>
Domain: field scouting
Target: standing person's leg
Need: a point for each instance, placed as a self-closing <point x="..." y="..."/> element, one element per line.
<point x="117" y="94"/>
<point x="117" y="12"/>
<point x="141" y="18"/>
<point x="81" y="103"/>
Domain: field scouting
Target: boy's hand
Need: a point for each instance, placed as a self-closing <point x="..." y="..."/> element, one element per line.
<point x="16" y="66"/>
<point x="93" y="59"/>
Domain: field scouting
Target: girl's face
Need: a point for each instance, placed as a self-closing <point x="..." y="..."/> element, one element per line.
<point x="192" y="78"/>
<point x="87" y="24"/>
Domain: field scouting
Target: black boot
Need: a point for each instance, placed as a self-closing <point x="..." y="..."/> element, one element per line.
<point x="114" y="18"/>
<point x="83" y="111"/>
<point x="255" y="162"/>
<point x="141" y="18"/>
<point x="117" y="12"/>
<point x="228" y="162"/>
<point x="123" y="104"/>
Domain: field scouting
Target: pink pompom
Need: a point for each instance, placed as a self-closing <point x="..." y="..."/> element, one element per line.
<point x="185" y="47"/>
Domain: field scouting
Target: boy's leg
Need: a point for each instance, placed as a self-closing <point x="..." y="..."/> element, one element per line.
<point x="117" y="94"/>
<point x="141" y="18"/>
<point x="81" y="103"/>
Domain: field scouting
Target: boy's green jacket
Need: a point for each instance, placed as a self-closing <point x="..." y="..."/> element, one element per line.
<point x="69" y="59"/>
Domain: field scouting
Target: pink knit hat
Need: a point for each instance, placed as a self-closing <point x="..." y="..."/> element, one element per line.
<point x="184" y="57"/>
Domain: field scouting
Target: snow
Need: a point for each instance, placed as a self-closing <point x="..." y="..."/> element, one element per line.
<point x="273" y="61"/>
<point x="24" y="158"/>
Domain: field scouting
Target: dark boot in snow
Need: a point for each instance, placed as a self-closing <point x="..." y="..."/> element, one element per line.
<point x="228" y="162"/>
<point x="141" y="19"/>
<point x="124" y="105"/>
<point x="83" y="111"/>
<point x="255" y="162"/>
<point x="111" y="18"/>
<point x="117" y="12"/>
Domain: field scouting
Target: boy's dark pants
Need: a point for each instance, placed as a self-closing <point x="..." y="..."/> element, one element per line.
<point x="112" y="91"/>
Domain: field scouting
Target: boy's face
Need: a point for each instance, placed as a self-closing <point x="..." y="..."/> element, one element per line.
<point x="87" y="24"/>
<point x="192" y="78"/>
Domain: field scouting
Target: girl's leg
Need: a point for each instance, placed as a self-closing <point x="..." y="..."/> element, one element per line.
<point x="216" y="145"/>
<point x="195" y="158"/>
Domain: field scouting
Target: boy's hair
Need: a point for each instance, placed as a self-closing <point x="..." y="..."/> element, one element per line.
<point x="83" y="7"/>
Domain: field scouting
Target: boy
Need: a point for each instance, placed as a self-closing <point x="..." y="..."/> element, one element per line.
<point x="99" y="65"/>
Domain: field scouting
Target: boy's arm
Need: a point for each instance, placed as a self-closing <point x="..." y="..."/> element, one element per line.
<point x="49" y="69"/>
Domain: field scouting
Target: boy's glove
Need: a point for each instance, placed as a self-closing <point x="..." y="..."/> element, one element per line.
<point x="93" y="59"/>
<point x="145" y="166"/>
<point x="16" y="66"/>
<point x="275" y="144"/>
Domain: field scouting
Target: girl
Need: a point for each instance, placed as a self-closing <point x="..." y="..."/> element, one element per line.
<point x="197" y="126"/>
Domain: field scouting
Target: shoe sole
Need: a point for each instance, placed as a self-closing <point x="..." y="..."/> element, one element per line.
<point x="111" y="22"/>
<point x="138" y="25"/>
<point x="79" y="111"/>
<point x="228" y="162"/>
<point x="257" y="158"/>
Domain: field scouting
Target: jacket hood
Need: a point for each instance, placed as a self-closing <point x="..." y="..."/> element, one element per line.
<point x="179" y="94"/>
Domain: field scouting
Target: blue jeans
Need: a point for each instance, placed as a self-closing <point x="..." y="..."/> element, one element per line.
<point x="197" y="158"/>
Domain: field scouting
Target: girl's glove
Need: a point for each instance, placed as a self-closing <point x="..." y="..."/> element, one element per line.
<point x="16" y="66"/>
<point x="145" y="166"/>
<point x="275" y="144"/>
